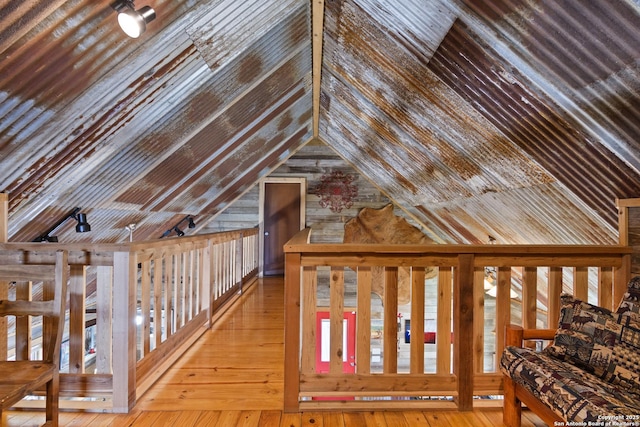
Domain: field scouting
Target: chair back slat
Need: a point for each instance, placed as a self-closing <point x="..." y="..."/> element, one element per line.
<point x="24" y="376"/>
<point x="54" y="280"/>
<point x="27" y="308"/>
<point x="32" y="272"/>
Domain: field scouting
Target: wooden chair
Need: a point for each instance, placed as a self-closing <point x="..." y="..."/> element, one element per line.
<point x="23" y="377"/>
<point x="516" y="395"/>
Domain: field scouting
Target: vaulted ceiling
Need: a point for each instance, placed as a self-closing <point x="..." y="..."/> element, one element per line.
<point x="517" y="119"/>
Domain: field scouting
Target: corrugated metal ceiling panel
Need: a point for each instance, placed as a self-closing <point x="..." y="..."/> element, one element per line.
<point x="161" y="107"/>
<point x="531" y="121"/>
<point x="438" y="131"/>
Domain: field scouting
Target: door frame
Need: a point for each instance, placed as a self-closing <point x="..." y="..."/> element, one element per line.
<point x="303" y="202"/>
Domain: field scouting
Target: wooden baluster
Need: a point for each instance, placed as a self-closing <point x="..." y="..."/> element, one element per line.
<point x="417" y="321"/>
<point x="226" y="269"/>
<point x="187" y="286"/>
<point x="178" y="276"/>
<point x="24" y="292"/>
<point x="503" y="309"/>
<point x="104" y="292"/>
<point x="239" y="261"/>
<point x="443" y="333"/>
<point x="193" y="284"/>
<point x="390" y="336"/>
<point x="581" y="283"/>
<point x="214" y="274"/>
<point x="199" y="273"/>
<point x="170" y="303"/>
<point x="157" y="300"/>
<point x="145" y="307"/>
<point x="196" y="277"/>
<point x="478" y="322"/>
<point x="336" y="308"/>
<point x="529" y="297"/>
<point x="363" y="321"/>
<point x="309" y="332"/>
<point x="553" y="295"/>
<point x="77" y="309"/>
<point x="207" y="283"/>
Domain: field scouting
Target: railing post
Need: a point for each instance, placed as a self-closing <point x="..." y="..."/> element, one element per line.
<point x="292" y="331"/>
<point x="463" y="331"/>
<point x="605" y="288"/>
<point x="124" y="331"/>
<point x="621" y="278"/>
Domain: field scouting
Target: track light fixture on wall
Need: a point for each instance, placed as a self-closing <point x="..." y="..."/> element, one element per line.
<point x="190" y="223"/>
<point x="81" y="227"/>
<point x="133" y="22"/>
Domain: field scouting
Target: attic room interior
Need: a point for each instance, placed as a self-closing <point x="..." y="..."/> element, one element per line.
<point x="388" y="169"/>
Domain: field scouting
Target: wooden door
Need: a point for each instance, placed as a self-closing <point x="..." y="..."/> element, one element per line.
<point x="281" y="216"/>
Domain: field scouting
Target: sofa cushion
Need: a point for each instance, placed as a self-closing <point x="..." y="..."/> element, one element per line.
<point x="571" y="392"/>
<point x="630" y="303"/>
<point x="603" y="343"/>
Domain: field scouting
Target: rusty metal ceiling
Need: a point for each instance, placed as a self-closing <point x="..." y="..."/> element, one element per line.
<point x="515" y="119"/>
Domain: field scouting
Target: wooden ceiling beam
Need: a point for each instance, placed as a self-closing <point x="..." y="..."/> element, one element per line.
<point x="318" y="31"/>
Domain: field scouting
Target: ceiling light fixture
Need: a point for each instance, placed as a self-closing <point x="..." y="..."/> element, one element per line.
<point x="81" y="227"/>
<point x="133" y="22"/>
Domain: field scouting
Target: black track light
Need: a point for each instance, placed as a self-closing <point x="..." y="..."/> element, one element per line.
<point x="82" y="226"/>
<point x="176" y="228"/>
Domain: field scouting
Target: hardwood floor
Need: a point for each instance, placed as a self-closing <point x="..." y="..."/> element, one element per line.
<point x="233" y="376"/>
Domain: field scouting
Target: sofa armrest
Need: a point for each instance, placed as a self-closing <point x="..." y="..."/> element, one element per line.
<point x="515" y="335"/>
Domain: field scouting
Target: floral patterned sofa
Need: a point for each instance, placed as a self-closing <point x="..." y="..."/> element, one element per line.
<point x="588" y="375"/>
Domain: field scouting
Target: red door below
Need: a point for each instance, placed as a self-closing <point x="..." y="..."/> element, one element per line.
<point x="323" y="346"/>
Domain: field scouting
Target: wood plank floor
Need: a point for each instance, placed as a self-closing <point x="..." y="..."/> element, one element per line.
<point x="233" y="376"/>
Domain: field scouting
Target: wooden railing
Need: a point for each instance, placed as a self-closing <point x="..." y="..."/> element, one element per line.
<point x="133" y="307"/>
<point x="440" y="286"/>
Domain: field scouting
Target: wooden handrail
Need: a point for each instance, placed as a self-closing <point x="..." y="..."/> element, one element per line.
<point x="300" y="243"/>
